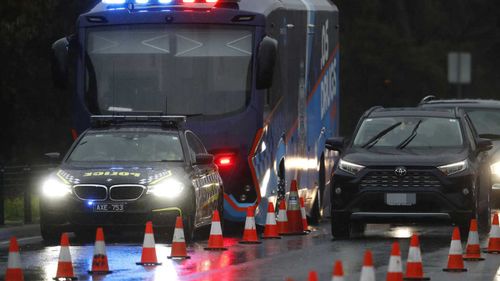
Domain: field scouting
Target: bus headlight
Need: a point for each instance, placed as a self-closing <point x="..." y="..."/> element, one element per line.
<point x="169" y="188"/>
<point x="495" y="169"/>
<point x="54" y="188"/>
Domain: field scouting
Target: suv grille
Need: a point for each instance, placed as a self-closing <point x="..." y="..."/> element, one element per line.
<point x="126" y="192"/>
<point x="381" y="179"/>
<point x="90" y="191"/>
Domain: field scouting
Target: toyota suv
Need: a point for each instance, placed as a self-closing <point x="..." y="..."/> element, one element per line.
<point x="407" y="165"/>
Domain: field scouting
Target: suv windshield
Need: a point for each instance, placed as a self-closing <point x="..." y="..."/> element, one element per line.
<point x="121" y="146"/>
<point x="409" y="132"/>
<point x="486" y="122"/>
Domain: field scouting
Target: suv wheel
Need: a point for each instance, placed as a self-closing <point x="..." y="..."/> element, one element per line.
<point x="341" y="228"/>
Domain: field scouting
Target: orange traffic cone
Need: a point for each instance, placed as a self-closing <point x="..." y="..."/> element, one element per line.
<point x="455" y="260"/>
<point x="367" y="271"/>
<point x="282" y="220"/>
<point x="271" y="229"/>
<point x="14" y="271"/>
<point x="293" y="211"/>
<point x="179" y="250"/>
<point x="250" y="232"/>
<point x="414" y="267"/>
<point x="473" y="250"/>
<point x="338" y="272"/>
<point x="148" y="257"/>
<point x="395" y="270"/>
<point x="216" y="241"/>
<point x="100" y="259"/>
<point x="494" y="237"/>
<point x="313" y="276"/>
<point x="65" y="266"/>
<point x="305" y="225"/>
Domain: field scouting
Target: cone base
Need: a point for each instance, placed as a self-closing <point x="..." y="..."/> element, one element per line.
<point x="250" y="242"/>
<point x="148" y="263"/>
<point x="270" y="237"/>
<point x="178" y="257"/>
<point x="416" y="278"/>
<point x="65" y="278"/>
<point x="455" y="269"/>
<point x="294" y="233"/>
<point x="473" y="259"/>
<point x="215" y="249"/>
<point x="100" y="272"/>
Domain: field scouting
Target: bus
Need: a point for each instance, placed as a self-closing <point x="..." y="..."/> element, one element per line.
<point x="257" y="79"/>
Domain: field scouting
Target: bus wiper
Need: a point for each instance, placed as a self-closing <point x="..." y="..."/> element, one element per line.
<point x="371" y="142"/>
<point x="409" y="139"/>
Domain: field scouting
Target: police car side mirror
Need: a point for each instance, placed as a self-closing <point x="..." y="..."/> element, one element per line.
<point x="336" y="143"/>
<point x="484" y="145"/>
<point x="53" y="155"/>
<point x="266" y="59"/>
<point x="204" y="159"/>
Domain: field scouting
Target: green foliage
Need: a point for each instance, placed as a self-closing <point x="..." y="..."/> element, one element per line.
<point x="14" y="209"/>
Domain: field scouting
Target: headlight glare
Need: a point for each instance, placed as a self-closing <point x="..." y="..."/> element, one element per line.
<point x="169" y="188"/>
<point x="54" y="188"/>
<point x="454" y="168"/>
<point x="495" y="169"/>
<point x="349" y="167"/>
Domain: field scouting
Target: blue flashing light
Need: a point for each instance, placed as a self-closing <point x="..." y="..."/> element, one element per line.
<point x="90" y="203"/>
<point x="141" y="1"/>
<point x="113" y="1"/>
<point x="165" y="1"/>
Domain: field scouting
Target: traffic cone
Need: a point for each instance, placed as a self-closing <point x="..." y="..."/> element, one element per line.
<point x="395" y="270"/>
<point x="494" y="237"/>
<point x="293" y="211"/>
<point x="100" y="259"/>
<point x="367" y="271"/>
<point x="148" y="257"/>
<point x="473" y="250"/>
<point x="414" y="267"/>
<point x="455" y="260"/>
<point x="64" y="266"/>
<point x="313" y="276"/>
<point x="216" y="241"/>
<point x="338" y="272"/>
<point x="14" y="270"/>
<point x="250" y="232"/>
<point x="271" y="229"/>
<point x="282" y="220"/>
<point x="179" y="250"/>
<point x="305" y="225"/>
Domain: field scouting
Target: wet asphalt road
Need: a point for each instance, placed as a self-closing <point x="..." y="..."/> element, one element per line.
<point x="291" y="256"/>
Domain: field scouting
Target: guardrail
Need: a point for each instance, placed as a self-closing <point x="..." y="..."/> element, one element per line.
<point x="21" y="180"/>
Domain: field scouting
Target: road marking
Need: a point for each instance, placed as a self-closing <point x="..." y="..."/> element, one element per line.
<point x="33" y="238"/>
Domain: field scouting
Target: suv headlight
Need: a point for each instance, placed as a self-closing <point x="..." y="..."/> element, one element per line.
<point x="54" y="188"/>
<point x="349" y="167"/>
<point x="168" y="188"/>
<point x="454" y="168"/>
<point x="495" y="169"/>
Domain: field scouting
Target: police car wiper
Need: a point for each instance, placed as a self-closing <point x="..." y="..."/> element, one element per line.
<point x="409" y="139"/>
<point x="371" y="142"/>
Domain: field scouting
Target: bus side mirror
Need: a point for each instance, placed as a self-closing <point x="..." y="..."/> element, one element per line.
<point x="266" y="59"/>
<point x="60" y="63"/>
<point x="336" y="144"/>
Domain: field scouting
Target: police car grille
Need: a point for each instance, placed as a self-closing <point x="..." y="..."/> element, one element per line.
<point x="90" y="192"/>
<point x="126" y="192"/>
<point x="384" y="179"/>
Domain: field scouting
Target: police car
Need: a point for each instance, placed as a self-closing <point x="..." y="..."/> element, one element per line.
<point x="126" y="170"/>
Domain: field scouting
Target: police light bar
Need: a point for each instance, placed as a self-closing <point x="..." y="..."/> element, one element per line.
<point x="147" y="2"/>
<point x="99" y="121"/>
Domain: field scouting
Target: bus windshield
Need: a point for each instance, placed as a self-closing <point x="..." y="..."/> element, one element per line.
<point x="173" y="69"/>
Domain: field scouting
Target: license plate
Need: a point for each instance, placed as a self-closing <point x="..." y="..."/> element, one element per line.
<point x="400" y="199"/>
<point x="109" y="207"/>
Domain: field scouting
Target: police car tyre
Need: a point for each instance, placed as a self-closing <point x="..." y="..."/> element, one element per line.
<point x="50" y="234"/>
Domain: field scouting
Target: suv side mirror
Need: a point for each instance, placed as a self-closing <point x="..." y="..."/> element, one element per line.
<point x="484" y="145"/>
<point x="266" y="59"/>
<point x="204" y="159"/>
<point x="336" y="143"/>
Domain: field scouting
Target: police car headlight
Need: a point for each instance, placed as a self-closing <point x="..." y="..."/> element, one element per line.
<point x="454" y="168"/>
<point x="349" y="167"/>
<point x="169" y="188"/>
<point x="54" y="188"/>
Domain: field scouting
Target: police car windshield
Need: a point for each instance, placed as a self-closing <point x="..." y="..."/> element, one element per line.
<point x="175" y="69"/>
<point x="412" y="132"/>
<point x="124" y="146"/>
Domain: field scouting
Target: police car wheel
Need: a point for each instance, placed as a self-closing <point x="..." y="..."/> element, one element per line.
<point x="50" y="234"/>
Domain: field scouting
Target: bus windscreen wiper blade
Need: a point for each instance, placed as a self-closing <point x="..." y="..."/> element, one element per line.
<point x="371" y="142"/>
<point x="413" y="134"/>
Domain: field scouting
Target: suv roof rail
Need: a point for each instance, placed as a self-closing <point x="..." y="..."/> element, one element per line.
<point x="372" y="109"/>
<point x="99" y="121"/>
<point x="427" y="99"/>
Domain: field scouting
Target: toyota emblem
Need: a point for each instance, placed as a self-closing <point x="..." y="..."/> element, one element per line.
<point x="400" y="171"/>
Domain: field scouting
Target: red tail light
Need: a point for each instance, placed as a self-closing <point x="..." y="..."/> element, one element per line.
<point x="225" y="159"/>
<point x="211" y="1"/>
